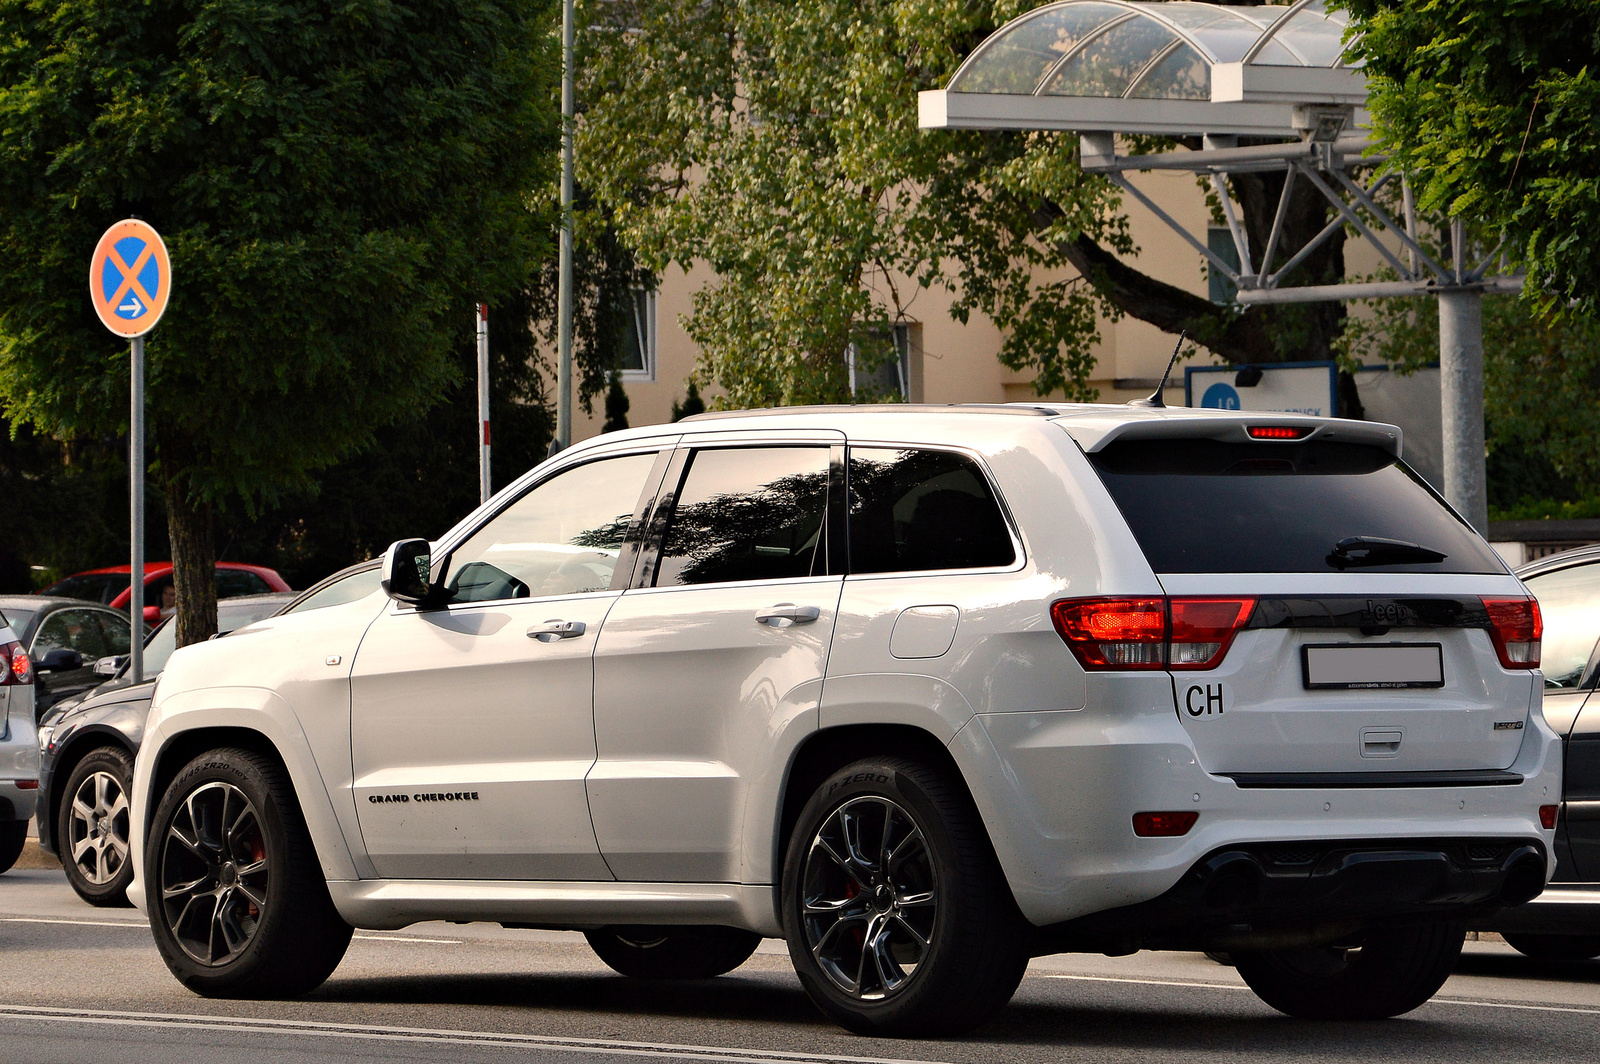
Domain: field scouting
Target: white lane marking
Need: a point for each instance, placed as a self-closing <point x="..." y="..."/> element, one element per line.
<point x="371" y="1032"/>
<point x="1577" y="1009"/>
<point x="74" y="923"/>
<point x="405" y="938"/>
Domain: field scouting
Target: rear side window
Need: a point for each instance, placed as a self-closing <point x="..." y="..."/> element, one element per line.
<point x="748" y="513"/>
<point x="1206" y="506"/>
<point x="915" y="510"/>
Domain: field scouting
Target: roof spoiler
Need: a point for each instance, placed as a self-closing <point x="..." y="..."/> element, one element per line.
<point x="1095" y="434"/>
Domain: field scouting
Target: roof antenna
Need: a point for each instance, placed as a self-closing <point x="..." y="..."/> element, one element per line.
<point x="1157" y="399"/>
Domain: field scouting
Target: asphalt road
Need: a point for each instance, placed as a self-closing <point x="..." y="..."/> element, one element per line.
<point x="79" y="984"/>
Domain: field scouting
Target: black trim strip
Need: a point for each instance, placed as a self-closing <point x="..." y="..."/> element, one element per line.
<point x="1375" y="612"/>
<point x="1353" y="780"/>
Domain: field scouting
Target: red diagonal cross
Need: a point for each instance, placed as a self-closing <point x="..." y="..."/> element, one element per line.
<point x="130" y="276"/>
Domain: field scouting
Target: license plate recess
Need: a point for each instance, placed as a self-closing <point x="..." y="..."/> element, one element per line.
<point x="1371" y="666"/>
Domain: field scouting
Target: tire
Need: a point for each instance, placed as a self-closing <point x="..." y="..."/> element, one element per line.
<point x="13" y="837"/>
<point x="673" y="952"/>
<point x="92" y="828"/>
<point x="920" y="887"/>
<point x="1556" y="947"/>
<point x="245" y="912"/>
<point x="1391" y="971"/>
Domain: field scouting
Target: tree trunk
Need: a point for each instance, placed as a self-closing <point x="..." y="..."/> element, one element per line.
<point x="194" y="564"/>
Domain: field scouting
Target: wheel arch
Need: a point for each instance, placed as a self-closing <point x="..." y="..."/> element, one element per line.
<point x="66" y="763"/>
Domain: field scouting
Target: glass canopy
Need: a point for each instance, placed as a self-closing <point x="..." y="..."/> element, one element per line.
<point x="1149" y="51"/>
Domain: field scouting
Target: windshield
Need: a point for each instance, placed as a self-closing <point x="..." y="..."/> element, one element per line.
<point x="1205" y="506"/>
<point x="1569" y="601"/>
<point x="231" y="616"/>
<point x="357" y="585"/>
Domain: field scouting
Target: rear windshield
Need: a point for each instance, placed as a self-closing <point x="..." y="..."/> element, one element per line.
<point x="1205" y="506"/>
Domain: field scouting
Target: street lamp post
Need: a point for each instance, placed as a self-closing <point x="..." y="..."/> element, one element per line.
<point x="564" y="289"/>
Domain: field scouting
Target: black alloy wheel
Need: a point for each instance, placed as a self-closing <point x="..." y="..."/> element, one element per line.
<point x="235" y="892"/>
<point x="898" y="918"/>
<point x="92" y="828"/>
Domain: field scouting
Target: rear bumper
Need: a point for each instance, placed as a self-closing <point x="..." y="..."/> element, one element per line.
<point x="1275" y="894"/>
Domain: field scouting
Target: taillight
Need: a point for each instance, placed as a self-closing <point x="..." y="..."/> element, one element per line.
<point x="1114" y="633"/>
<point x="1185" y="633"/>
<point x="15" y="667"/>
<point x="1516" y="628"/>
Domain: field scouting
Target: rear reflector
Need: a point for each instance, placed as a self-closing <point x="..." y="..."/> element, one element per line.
<point x="1547" y="816"/>
<point x="27" y="785"/>
<point x="1516" y="627"/>
<point x="1277" y="432"/>
<point x="1184" y="633"/>
<point x="1164" y="825"/>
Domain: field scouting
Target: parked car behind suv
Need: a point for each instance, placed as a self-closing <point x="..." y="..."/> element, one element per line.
<point x="110" y="586"/>
<point x="19" y="750"/>
<point x="87" y="744"/>
<point x="1564" y="922"/>
<point x="923" y="690"/>
<point x="65" y="638"/>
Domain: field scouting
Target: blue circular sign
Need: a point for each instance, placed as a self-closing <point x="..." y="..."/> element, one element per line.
<point x="1220" y="396"/>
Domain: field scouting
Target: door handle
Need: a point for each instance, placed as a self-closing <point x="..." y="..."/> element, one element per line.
<point x="786" y="614"/>
<point x="550" y="631"/>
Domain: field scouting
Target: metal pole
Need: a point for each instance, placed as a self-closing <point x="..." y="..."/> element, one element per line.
<point x="136" y="514"/>
<point x="1461" y="381"/>
<point x="564" y="292"/>
<point x="484" y="488"/>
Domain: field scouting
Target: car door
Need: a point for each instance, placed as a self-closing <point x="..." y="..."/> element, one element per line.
<point x="710" y="668"/>
<point x="1569" y="600"/>
<point x="471" y="725"/>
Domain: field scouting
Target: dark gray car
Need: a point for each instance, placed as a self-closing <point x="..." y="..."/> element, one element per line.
<point x="64" y="637"/>
<point x="88" y="744"/>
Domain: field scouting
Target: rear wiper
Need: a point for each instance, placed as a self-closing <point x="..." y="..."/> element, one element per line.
<point x="1375" y="550"/>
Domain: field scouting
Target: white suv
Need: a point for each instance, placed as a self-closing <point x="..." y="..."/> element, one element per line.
<point x="924" y="691"/>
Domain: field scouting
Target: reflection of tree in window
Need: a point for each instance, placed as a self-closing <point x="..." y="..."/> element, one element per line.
<point x="561" y="538"/>
<point x="914" y="510"/>
<point x="748" y="514"/>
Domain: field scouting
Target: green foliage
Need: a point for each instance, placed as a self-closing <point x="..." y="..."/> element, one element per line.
<point x="776" y="141"/>
<point x="337" y="184"/>
<point x="1491" y="106"/>
<point x="692" y="403"/>
<point x="1540" y="378"/>
<point x="616" y="405"/>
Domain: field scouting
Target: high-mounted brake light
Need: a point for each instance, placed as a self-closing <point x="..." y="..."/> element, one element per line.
<point x="1277" y="432"/>
<point x="15" y="666"/>
<point x="1516" y="627"/>
<point x="1184" y="632"/>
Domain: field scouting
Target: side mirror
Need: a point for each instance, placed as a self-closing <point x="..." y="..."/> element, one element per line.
<point x="407" y="572"/>
<point x="152" y="615"/>
<point x="109" y="666"/>
<point x="60" y="660"/>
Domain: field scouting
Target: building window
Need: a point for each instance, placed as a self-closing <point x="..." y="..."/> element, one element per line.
<point x="894" y="377"/>
<point x="1219" y="238"/>
<point x="636" y="354"/>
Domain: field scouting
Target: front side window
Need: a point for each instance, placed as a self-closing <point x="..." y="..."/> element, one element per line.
<point x="231" y="583"/>
<point x="562" y="538"/>
<point x="119" y="640"/>
<point x="748" y="513"/>
<point x="916" y="510"/>
<point x="1569" y="602"/>
<point x="71" y="630"/>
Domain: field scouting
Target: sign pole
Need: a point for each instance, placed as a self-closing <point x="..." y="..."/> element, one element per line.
<point x="564" y="279"/>
<point x="484" y="487"/>
<point x="136" y="514"/>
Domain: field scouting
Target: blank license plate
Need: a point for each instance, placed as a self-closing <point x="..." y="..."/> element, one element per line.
<point x="1353" y="666"/>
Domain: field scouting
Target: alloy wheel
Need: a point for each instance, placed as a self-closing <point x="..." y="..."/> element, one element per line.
<point x="214" y="873"/>
<point x="870" y="897"/>
<point x="98" y="828"/>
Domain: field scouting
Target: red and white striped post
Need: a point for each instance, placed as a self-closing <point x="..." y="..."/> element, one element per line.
<point x="484" y="488"/>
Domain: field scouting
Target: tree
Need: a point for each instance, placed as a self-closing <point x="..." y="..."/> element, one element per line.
<point x="616" y="405"/>
<point x="1490" y="106"/>
<point x="777" y="141"/>
<point x="692" y="403"/>
<point x="337" y="185"/>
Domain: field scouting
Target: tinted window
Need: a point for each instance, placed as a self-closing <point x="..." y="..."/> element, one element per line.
<point x="1569" y="601"/>
<point x="96" y="587"/>
<point x="916" y="510"/>
<point x="1205" y="506"/>
<point x="71" y="630"/>
<point x="748" y="513"/>
<point x="115" y="629"/>
<point x="355" y="586"/>
<point x="231" y="583"/>
<point x="159" y="649"/>
<point x="17" y="620"/>
<point x="561" y="538"/>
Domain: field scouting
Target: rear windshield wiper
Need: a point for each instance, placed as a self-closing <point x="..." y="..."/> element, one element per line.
<point x="1375" y="550"/>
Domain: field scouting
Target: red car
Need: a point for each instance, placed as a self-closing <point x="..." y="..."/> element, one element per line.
<point x="110" y="585"/>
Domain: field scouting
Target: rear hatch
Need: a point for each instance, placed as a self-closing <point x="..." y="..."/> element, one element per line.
<point x="1372" y="631"/>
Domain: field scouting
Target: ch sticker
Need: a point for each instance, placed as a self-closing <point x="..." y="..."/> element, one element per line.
<point x="1203" y="701"/>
